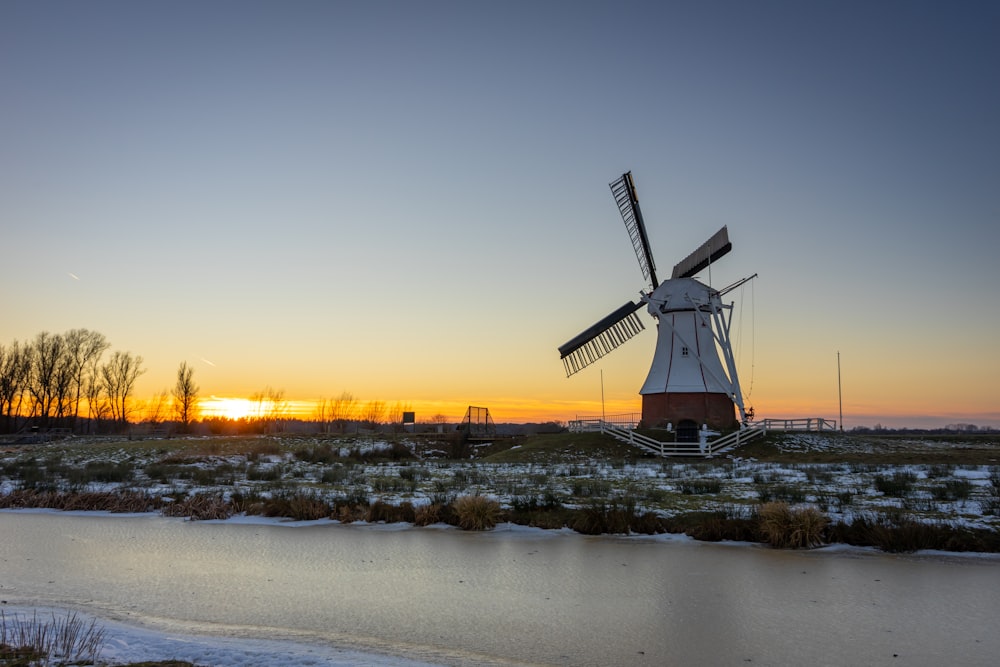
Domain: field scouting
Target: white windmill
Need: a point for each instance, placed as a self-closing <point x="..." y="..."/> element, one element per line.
<point x="688" y="385"/>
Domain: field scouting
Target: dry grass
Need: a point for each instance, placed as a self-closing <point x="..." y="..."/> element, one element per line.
<point x="477" y="512"/>
<point x="383" y="512"/>
<point x="786" y="528"/>
<point x="425" y="515"/>
<point x="200" y="507"/>
<point x="350" y="513"/>
<point x="299" y="506"/>
<point x="124" y="501"/>
<point x="60" y="641"/>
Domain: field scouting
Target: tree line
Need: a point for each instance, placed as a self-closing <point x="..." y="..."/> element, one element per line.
<point x="71" y="381"/>
<point x="334" y="414"/>
<point x="50" y="380"/>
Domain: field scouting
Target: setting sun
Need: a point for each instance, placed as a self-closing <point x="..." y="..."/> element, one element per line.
<point x="230" y="408"/>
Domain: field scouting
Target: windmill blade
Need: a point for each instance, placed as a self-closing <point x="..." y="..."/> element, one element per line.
<point x="603" y="337"/>
<point x="628" y="204"/>
<point x="710" y="251"/>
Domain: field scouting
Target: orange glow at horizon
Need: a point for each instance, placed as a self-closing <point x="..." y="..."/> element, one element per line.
<point x="514" y="410"/>
<point x="228" y="408"/>
<point x="502" y="411"/>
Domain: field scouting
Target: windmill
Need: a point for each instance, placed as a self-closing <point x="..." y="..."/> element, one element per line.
<point x="688" y="384"/>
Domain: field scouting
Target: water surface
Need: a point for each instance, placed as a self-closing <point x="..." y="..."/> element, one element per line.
<point x="508" y="596"/>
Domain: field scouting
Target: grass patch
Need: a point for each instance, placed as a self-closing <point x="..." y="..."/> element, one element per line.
<point x="716" y="525"/>
<point x="298" y="506"/>
<point x="895" y="531"/>
<point x="120" y="501"/>
<point x="476" y="512"/>
<point x="200" y="506"/>
<point x="617" y="516"/>
<point x="692" y="487"/>
<point x="787" y="528"/>
<point x="952" y="489"/>
<point x="261" y="473"/>
<point x="565" y="448"/>
<point x="36" y="641"/>
<point x="897" y="485"/>
<point x="320" y="453"/>
<point x="786" y="493"/>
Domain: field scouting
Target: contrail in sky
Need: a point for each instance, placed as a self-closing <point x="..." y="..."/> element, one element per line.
<point x="73" y="276"/>
<point x="207" y="361"/>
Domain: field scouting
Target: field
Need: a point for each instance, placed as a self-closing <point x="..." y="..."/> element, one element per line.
<point x="898" y="493"/>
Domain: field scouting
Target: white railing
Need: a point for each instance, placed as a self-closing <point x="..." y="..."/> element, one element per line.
<point x="807" y="424"/>
<point x="623" y="429"/>
<point x="627" y="420"/>
<point x="668" y="448"/>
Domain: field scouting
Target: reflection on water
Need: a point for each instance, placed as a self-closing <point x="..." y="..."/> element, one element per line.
<point x="509" y="597"/>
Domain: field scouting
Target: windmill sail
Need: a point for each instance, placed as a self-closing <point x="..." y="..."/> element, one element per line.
<point x="710" y="251"/>
<point x="628" y="204"/>
<point x="603" y="337"/>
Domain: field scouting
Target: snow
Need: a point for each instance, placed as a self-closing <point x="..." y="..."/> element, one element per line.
<point x="128" y="643"/>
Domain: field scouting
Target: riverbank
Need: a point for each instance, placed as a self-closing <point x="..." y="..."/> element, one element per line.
<point x="901" y="494"/>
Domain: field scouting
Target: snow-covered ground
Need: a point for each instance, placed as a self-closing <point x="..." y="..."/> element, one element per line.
<point x="957" y="494"/>
<point x="128" y="643"/>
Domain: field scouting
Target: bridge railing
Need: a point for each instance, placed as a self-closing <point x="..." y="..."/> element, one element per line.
<point x="629" y="420"/>
<point x="623" y="429"/>
<point x="806" y="424"/>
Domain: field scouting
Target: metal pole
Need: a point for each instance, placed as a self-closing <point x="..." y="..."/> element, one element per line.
<point x="840" y="395"/>
<point x="602" y="394"/>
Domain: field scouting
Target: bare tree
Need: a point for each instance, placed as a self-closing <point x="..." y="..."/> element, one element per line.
<point x="395" y="415"/>
<point x="15" y="365"/>
<point x="373" y="413"/>
<point x="323" y="414"/>
<point x="118" y="376"/>
<point x="84" y="349"/>
<point x="185" y="395"/>
<point x="342" y="409"/>
<point x="48" y="376"/>
<point x="321" y="411"/>
<point x="157" y="407"/>
<point x="271" y="408"/>
<point x="98" y="408"/>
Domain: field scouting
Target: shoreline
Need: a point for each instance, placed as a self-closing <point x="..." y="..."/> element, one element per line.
<point x="519" y="531"/>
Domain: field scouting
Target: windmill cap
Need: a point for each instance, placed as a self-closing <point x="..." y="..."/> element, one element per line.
<point x="679" y="294"/>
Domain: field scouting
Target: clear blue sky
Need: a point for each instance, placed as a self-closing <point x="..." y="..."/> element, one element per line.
<point x="409" y="201"/>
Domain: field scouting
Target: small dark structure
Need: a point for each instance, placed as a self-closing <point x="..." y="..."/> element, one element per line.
<point x="477" y="424"/>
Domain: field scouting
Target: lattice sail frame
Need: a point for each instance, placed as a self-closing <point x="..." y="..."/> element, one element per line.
<point x="606" y="335"/>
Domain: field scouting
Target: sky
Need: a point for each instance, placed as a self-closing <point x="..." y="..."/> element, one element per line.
<point x="409" y="202"/>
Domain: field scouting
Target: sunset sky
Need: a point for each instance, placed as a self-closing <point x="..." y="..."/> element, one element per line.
<point x="409" y="201"/>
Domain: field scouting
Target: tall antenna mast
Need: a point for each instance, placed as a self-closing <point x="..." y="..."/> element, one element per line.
<point x="840" y="395"/>
<point x="602" y="396"/>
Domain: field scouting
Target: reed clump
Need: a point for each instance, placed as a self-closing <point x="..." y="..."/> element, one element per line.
<point x="896" y="531"/>
<point x="123" y="501"/>
<point x="617" y="516"/>
<point x="897" y="485"/>
<point x="785" y="527"/>
<point x="729" y="524"/>
<point x="199" y="507"/>
<point x="383" y="512"/>
<point x="299" y="506"/>
<point x="27" y="642"/>
<point x="539" y="512"/>
<point x="695" y="487"/>
<point x="425" y="515"/>
<point x="476" y="512"/>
